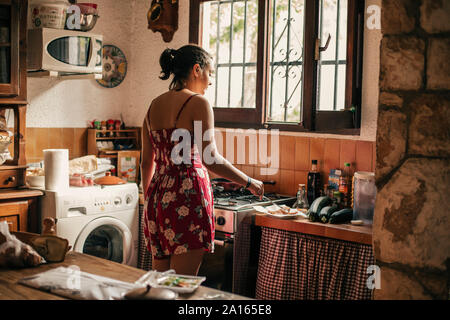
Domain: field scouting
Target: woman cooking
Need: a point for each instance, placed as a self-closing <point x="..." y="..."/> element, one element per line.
<point x="178" y="212"/>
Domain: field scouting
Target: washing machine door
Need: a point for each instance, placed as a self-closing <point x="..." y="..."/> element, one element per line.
<point x="106" y="238"/>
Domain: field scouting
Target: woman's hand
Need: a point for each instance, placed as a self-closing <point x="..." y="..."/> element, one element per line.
<point x="257" y="188"/>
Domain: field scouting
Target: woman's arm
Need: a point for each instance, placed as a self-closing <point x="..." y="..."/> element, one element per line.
<point x="148" y="158"/>
<point x="220" y="166"/>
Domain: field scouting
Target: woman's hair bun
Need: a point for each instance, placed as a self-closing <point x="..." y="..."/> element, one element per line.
<point x="167" y="62"/>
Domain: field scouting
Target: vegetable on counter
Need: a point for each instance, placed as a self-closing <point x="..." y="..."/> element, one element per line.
<point x="326" y="212"/>
<point x="342" y="216"/>
<point x="316" y="207"/>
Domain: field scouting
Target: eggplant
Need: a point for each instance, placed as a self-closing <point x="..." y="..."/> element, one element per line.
<point x="316" y="207"/>
<point x="342" y="216"/>
<point x="326" y="212"/>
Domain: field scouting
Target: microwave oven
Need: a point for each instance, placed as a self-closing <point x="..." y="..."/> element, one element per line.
<point x="64" y="51"/>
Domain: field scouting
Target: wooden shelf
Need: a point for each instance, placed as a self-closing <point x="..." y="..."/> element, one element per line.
<point x="125" y="134"/>
<point x="5" y="44"/>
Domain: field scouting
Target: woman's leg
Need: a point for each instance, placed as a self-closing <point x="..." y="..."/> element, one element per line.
<point x="187" y="263"/>
<point x="160" y="265"/>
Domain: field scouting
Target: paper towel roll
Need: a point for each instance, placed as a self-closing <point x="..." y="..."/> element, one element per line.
<point x="56" y="164"/>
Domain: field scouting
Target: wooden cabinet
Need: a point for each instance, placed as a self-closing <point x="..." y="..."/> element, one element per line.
<point x="13" y="19"/>
<point x="13" y="85"/>
<point x="19" y="208"/>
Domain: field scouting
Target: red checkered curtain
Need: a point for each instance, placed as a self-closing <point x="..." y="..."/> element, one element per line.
<point x="296" y="266"/>
<point x="144" y="256"/>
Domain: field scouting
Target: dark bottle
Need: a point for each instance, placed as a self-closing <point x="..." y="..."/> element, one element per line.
<point x="313" y="187"/>
<point x="345" y="185"/>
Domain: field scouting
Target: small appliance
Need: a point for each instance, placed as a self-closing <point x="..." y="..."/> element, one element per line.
<point x="64" y="51"/>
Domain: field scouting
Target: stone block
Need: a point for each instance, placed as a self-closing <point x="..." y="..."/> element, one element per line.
<point x="410" y="285"/>
<point x="391" y="99"/>
<point x="411" y="219"/>
<point x="402" y="63"/>
<point x="429" y="127"/>
<point x="435" y="16"/>
<point x="438" y="64"/>
<point x="391" y="141"/>
<point x="396" y="17"/>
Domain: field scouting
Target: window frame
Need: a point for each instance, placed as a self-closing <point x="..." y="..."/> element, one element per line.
<point x="338" y="122"/>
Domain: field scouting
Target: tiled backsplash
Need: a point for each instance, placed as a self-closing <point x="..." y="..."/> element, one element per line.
<point x="293" y="165"/>
<point x="296" y="154"/>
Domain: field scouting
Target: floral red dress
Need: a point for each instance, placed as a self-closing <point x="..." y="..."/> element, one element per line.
<point x="178" y="208"/>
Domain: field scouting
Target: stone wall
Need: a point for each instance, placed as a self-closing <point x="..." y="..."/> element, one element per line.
<point x="411" y="223"/>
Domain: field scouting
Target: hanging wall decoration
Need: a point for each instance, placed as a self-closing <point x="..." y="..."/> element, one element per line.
<point x="114" y="67"/>
<point x="163" y="17"/>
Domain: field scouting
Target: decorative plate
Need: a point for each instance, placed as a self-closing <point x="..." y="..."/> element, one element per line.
<point x="114" y="67"/>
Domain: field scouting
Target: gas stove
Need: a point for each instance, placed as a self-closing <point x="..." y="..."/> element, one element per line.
<point x="231" y="207"/>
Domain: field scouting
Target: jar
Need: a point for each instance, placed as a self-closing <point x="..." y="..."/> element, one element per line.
<point x="48" y="14"/>
<point x="337" y="196"/>
<point x="364" y="196"/>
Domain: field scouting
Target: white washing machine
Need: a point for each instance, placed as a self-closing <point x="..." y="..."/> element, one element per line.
<point x="101" y="220"/>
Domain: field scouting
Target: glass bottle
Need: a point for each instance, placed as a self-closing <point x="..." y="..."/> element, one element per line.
<point x="313" y="187"/>
<point x="301" y="202"/>
<point x="345" y="185"/>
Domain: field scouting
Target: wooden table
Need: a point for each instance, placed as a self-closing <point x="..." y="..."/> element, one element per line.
<point x="11" y="289"/>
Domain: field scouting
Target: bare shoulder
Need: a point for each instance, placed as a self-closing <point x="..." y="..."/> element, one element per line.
<point x="201" y="104"/>
<point x="160" y="98"/>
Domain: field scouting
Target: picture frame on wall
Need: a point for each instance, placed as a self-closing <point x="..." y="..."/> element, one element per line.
<point x="128" y="165"/>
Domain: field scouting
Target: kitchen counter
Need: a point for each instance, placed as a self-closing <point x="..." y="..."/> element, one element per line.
<point x="347" y="232"/>
<point x="10" y="289"/>
<point x="324" y="261"/>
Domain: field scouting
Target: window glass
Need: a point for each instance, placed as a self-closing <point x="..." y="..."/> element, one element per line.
<point x="230" y="33"/>
<point x="332" y="64"/>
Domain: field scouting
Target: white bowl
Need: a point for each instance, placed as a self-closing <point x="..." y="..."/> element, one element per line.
<point x="36" y="181"/>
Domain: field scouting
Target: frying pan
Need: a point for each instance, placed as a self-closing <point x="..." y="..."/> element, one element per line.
<point x="228" y="185"/>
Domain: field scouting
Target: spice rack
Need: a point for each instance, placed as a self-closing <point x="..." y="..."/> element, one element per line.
<point x="94" y="136"/>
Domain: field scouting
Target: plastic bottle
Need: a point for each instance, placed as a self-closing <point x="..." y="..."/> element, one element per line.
<point x="302" y="201"/>
<point x="313" y="187"/>
<point x="345" y="185"/>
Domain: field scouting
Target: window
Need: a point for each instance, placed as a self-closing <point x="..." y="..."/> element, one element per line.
<point x="287" y="64"/>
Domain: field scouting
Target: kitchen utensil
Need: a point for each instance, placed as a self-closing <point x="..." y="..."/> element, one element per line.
<point x="108" y="180"/>
<point x="232" y="186"/>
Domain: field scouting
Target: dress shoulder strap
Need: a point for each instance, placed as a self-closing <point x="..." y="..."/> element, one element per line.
<point x="182" y="107"/>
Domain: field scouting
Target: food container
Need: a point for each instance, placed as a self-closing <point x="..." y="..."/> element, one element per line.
<point x="364" y="196"/>
<point x="108" y="180"/>
<point x="36" y="181"/>
<point x="35" y="177"/>
<point x="81" y="180"/>
<point x="170" y="280"/>
<point x="49" y="14"/>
